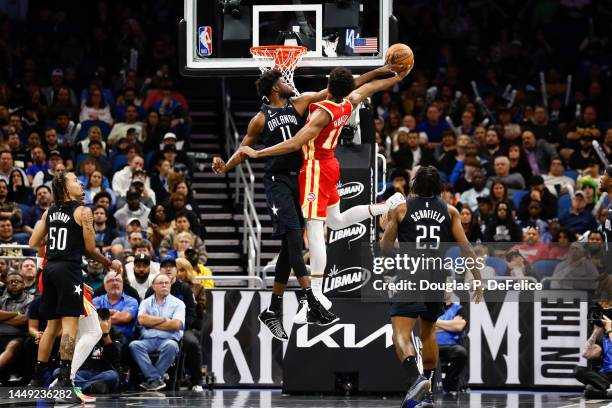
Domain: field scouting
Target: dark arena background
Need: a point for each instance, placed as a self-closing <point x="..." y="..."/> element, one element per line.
<point x="510" y="101"/>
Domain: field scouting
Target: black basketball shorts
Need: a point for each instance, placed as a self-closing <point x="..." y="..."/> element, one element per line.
<point x="283" y="199"/>
<point x="62" y="294"/>
<point x="428" y="311"/>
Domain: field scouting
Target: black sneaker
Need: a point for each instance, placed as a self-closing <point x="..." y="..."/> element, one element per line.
<point x="427" y="402"/>
<point x="273" y="321"/>
<point x="36" y="381"/>
<point x="320" y="316"/>
<point x="417" y="392"/>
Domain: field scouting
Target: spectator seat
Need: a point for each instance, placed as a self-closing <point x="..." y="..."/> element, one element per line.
<point x="518" y="196"/>
<point x="546" y="266"/>
<point x="564" y="203"/>
<point x="497" y="263"/>
<point x="571" y="173"/>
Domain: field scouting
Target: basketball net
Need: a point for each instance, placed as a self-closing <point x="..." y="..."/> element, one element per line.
<point x="284" y="58"/>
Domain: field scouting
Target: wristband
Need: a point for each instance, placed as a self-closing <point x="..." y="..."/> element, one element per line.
<point x="608" y="332"/>
<point x="105" y="335"/>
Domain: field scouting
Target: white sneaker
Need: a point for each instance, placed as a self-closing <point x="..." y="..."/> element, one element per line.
<point x="327" y="304"/>
<point x="395" y="200"/>
<point x="302" y="313"/>
<point x="197" y="388"/>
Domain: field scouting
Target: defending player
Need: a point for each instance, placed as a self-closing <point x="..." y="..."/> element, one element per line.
<point x="444" y="225"/>
<point x="280" y="119"/>
<point x="67" y="228"/>
<point x="320" y="172"/>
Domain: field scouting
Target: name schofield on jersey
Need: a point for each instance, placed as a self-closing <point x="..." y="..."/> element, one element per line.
<point x="431" y="214"/>
<point x="59" y="216"/>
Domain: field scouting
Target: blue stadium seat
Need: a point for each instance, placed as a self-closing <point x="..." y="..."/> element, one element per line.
<point x="499" y="264"/>
<point x="119" y="161"/>
<point x="453" y="252"/>
<point x="104" y="128"/>
<point x="571" y="173"/>
<point x="564" y="203"/>
<point x="517" y="197"/>
<point x="546" y="266"/>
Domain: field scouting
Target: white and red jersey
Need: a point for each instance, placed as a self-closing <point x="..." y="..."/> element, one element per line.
<point x="322" y="147"/>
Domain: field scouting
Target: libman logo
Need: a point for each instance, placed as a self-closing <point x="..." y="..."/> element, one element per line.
<point x="349" y="190"/>
<point x="346" y="280"/>
<point x="354" y="232"/>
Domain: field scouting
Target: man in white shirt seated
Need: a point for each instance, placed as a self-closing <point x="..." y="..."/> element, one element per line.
<point x="555" y="181"/>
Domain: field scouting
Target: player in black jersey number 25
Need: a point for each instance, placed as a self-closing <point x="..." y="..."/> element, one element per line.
<point x="67" y="229"/>
<point x="445" y="227"/>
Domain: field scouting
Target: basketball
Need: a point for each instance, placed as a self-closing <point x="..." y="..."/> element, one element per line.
<point x="400" y="54"/>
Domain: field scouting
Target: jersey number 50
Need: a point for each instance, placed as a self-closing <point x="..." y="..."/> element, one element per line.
<point x="430" y="236"/>
<point x="57" y="238"/>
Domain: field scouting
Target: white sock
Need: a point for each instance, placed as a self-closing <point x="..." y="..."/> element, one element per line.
<point x="316" y="283"/>
<point x="88" y="335"/>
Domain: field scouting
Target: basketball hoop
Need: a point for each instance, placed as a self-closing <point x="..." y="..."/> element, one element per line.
<point x="284" y="58"/>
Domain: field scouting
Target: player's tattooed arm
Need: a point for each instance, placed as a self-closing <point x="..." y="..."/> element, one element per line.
<point x="89" y="236"/>
<point x="37" y="239"/>
<point x="318" y="120"/>
<point x="256" y="127"/>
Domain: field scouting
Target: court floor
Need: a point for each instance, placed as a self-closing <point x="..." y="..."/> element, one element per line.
<point x="275" y="399"/>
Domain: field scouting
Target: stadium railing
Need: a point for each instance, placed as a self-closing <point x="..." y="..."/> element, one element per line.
<point x="13" y="247"/>
<point x="251" y="227"/>
<point x="253" y="281"/>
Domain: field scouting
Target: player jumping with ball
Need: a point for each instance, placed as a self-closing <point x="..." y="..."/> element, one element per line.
<point x="280" y="119"/>
<point x="320" y="171"/>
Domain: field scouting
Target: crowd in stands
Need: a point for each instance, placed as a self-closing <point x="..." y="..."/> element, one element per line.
<point x="507" y="109"/>
<point x="97" y="94"/>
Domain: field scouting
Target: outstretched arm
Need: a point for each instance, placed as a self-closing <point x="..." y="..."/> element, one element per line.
<point x="256" y="126"/>
<point x="302" y="102"/>
<point x="318" y="120"/>
<point x="363" y="92"/>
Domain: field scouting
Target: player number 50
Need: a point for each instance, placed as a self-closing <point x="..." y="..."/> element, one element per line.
<point x="57" y="238"/>
<point x="428" y="234"/>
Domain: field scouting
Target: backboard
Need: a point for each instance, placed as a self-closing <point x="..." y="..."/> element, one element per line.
<point x="216" y="35"/>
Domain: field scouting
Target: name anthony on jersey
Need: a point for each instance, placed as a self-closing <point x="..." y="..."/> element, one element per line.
<point x="59" y="216"/>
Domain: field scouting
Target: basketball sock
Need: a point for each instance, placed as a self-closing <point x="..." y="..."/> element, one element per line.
<point x="316" y="284"/>
<point x="430" y="374"/>
<point x="64" y="367"/>
<point x="310" y="297"/>
<point x="40" y="368"/>
<point x="275" y="303"/>
<point x="88" y="334"/>
<point x="410" y="366"/>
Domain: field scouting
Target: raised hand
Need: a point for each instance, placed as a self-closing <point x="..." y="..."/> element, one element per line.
<point x="218" y="165"/>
